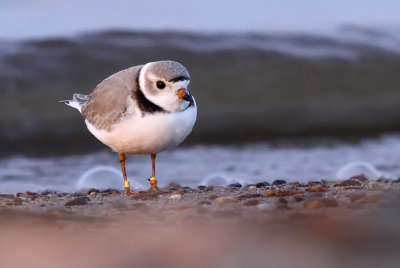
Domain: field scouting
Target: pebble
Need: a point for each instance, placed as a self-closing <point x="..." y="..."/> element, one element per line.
<point x="248" y="196"/>
<point x="361" y="178"/>
<point x="79" y="201"/>
<point x="175" y="196"/>
<point x="278" y="182"/>
<point x="172" y="186"/>
<point x="204" y="202"/>
<point x="235" y="185"/>
<point x="314" y="204"/>
<point x="282" y="200"/>
<point x="93" y="191"/>
<point x="252" y="187"/>
<point x="262" y="184"/>
<point x="225" y="200"/>
<point x="202" y="187"/>
<point x="298" y="199"/>
<point x="270" y="192"/>
<point x="320" y="203"/>
<point x="376" y="186"/>
<point x="252" y="202"/>
<point x="349" y="182"/>
<point x="315" y="189"/>
<point x="314" y="183"/>
<point x="279" y="193"/>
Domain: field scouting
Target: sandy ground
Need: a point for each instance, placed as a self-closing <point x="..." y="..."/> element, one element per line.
<point x="354" y="223"/>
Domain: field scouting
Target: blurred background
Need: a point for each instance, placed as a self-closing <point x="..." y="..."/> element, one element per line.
<point x="285" y="89"/>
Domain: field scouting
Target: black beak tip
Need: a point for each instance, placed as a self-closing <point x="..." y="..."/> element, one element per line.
<point x="187" y="97"/>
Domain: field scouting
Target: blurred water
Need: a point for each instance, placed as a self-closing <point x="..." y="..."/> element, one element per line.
<point x="217" y="165"/>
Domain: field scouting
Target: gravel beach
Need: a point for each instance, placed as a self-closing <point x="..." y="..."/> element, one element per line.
<point x="351" y="223"/>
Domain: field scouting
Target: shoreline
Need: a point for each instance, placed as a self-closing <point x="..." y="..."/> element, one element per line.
<point x="322" y="224"/>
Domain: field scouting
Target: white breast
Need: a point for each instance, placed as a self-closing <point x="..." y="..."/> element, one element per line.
<point x="151" y="133"/>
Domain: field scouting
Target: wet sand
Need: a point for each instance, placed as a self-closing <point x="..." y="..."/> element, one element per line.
<point x="352" y="223"/>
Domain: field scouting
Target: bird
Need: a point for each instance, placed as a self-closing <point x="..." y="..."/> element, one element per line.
<point x="144" y="109"/>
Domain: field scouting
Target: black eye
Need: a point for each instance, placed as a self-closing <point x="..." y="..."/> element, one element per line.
<point x="160" y="84"/>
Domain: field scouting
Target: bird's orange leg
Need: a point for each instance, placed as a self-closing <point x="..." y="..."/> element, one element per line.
<point x="127" y="186"/>
<point x="152" y="179"/>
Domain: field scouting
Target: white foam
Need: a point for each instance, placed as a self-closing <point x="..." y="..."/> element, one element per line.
<point x="102" y="178"/>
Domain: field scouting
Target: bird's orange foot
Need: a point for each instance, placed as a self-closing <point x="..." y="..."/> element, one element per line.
<point x="127" y="188"/>
<point x="153" y="186"/>
<point x="130" y="192"/>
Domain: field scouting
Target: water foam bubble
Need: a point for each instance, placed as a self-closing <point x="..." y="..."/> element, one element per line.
<point x="103" y="177"/>
<point x="358" y="168"/>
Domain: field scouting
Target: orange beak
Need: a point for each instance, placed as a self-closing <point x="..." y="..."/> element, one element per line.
<point x="184" y="95"/>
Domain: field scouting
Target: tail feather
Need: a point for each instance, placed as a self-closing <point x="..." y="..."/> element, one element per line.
<point x="77" y="101"/>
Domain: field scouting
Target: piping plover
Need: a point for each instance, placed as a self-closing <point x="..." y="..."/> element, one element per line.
<point x="144" y="109"/>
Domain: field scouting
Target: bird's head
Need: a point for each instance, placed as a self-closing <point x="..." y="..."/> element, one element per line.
<point x="165" y="83"/>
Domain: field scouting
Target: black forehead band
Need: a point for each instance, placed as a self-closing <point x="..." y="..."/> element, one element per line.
<point x="179" y="78"/>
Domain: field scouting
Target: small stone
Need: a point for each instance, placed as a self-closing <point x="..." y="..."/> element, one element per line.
<point x="314" y="204"/>
<point x="252" y="187"/>
<point x="31" y="193"/>
<point x="286" y="192"/>
<point x="266" y="206"/>
<point x="210" y="188"/>
<point x="278" y="182"/>
<point x="212" y="197"/>
<point x="173" y="186"/>
<point x="202" y="187"/>
<point x="248" y="196"/>
<point x="235" y="185"/>
<point x="298" y="199"/>
<point x="314" y="183"/>
<point x="315" y="189"/>
<point x="175" y="196"/>
<point x="262" y="184"/>
<point x="93" y="191"/>
<point x="270" y="192"/>
<point x="79" y="201"/>
<point x="282" y="200"/>
<point x="111" y="191"/>
<point x="329" y="202"/>
<point x="349" y="182"/>
<point x="252" y="202"/>
<point x="376" y="186"/>
<point x="225" y="200"/>
<point x="361" y="178"/>
<point x="204" y="202"/>
<point x="17" y="201"/>
<point x="7" y="195"/>
<point x="315" y="194"/>
<point x="179" y="191"/>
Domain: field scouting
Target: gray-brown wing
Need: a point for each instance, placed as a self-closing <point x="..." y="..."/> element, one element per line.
<point x="108" y="102"/>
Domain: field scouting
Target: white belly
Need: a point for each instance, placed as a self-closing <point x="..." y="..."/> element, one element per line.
<point x="152" y="133"/>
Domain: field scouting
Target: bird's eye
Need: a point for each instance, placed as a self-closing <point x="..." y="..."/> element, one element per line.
<point x="160" y="84"/>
